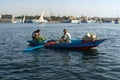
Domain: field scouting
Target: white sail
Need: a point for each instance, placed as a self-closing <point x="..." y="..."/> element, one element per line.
<point x="13" y="20"/>
<point x="41" y="19"/>
<point x="23" y="19"/>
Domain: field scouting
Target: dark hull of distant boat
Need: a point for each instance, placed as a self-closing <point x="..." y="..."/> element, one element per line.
<point x="29" y="21"/>
<point x="117" y="22"/>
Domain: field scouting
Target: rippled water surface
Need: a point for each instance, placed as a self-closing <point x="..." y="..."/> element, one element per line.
<point x="101" y="63"/>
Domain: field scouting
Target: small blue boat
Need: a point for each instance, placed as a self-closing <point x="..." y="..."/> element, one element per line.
<point x="74" y="45"/>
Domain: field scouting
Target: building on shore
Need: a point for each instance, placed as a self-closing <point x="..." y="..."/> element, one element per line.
<point x="7" y="18"/>
<point x="84" y="19"/>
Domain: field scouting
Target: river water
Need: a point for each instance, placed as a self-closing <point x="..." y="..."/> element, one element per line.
<point x="100" y="63"/>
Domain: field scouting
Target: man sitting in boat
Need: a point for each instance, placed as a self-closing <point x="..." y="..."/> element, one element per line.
<point x="66" y="37"/>
<point x="37" y="37"/>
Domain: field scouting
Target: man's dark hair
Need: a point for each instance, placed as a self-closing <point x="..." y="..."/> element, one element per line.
<point x="38" y="30"/>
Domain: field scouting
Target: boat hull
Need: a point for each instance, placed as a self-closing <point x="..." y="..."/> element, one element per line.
<point x="75" y="45"/>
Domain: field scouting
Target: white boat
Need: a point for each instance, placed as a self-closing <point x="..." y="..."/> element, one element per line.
<point x="41" y="19"/>
<point x="75" y="21"/>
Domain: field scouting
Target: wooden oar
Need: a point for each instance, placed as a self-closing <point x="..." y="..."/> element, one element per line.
<point x="33" y="48"/>
<point x="38" y="47"/>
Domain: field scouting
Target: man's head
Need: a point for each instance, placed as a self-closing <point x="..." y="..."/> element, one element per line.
<point x="38" y="30"/>
<point x="65" y="30"/>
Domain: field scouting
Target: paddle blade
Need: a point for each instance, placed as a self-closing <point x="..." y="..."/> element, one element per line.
<point x="33" y="48"/>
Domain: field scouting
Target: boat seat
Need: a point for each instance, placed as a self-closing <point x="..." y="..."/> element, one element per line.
<point x="76" y="41"/>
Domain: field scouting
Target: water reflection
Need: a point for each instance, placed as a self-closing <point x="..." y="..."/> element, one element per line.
<point x="68" y="56"/>
<point x="65" y="54"/>
<point x="73" y="56"/>
<point x="33" y="57"/>
<point x="89" y="54"/>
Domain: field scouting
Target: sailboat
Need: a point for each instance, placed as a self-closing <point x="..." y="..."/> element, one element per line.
<point x="23" y="19"/>
<point x="41" y="19"/>
<point x="13" y="20"/>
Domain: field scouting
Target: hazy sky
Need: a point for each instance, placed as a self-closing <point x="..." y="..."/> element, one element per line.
<point x="100" y="8"/>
